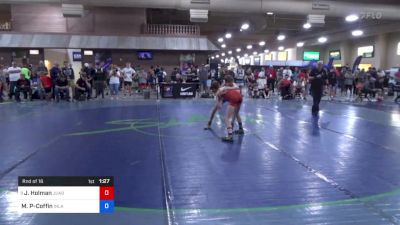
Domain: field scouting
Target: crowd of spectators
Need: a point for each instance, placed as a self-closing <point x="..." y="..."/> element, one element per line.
<point x="97" y="81"/>
<point x="91" y="82"/>
<point x="290" y="83"/>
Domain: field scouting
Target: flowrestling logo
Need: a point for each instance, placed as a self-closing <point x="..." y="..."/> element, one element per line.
<point x="371" y="15"/>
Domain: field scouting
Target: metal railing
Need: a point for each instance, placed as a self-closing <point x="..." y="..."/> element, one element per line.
<point x="172" y="29"/>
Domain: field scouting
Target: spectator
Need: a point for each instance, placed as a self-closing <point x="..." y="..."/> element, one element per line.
<point x="46" y="85"/>
<point x="128" y="72"/>
<point x="142" y="80"/>
<point x="2" y="82"/>
<point x="89" y="71"/>
<point x="150" y="76"/>
<point x="26" y="71"/>
<point x="332" y="82"/>
<point x="114" y="83"/>
<point x="69" y="73"/>
<point x="295" y="74"/>
<point x="178" y="79"/>
<point x="100" y="79"/>
<point x="54" y="73"/>
<point x="203" y="77"/>
<point x="285" y="86"/>
<point x="303" y="82"/>
<point x="36" y="86"/>
<point x="160" y="74"/>
<point x="348" y="83"/>
<point x="41" y="69"/>
<point x="14" y="74"/>
<point x="82" y="87"/>
<point x="173" y="74"/>
<point x="23" y="85"/>
<point x="62" y="88"/>
<point x="380" y="79"/>
<point x="271" y="78"/>
<point x="288" y="71"/>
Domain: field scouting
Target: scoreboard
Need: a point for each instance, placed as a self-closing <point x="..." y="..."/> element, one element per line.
<point x="65" y="194"/>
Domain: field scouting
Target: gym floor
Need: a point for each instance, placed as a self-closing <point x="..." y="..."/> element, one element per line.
<point x="289" y="168"/>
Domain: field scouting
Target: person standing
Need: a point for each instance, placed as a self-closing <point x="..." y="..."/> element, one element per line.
<point x="288" y="71"/>
<point x="100" y="78"/>
<point x="2" y="82"/>
<point x="271" y="78"/>
<point x="348" y="83"/>
<point x="55" y="72"/>
<point x="128" y="72"/>
<point x="69" y="73"/>
<point x="41" y="69"/>
<point x="203" y="77"/>
<point x="14" y="73"/>
<point x="26" y="71"/>
<point x="332" y="80"/>
<point x="317" y="78"/>
<point x="114" y="83"/>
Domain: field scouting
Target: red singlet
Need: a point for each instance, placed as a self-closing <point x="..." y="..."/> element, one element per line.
<point x="234" y="97"/>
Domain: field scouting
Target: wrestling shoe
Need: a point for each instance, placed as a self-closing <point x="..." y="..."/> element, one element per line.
<point x="227" y="138"/>
<point x="239" y="132"/>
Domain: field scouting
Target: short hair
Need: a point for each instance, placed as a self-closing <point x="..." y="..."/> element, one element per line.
<point x="214" y="85"/>
<point x="228" y="79"/>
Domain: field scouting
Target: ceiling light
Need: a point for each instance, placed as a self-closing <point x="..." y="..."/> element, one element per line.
<point x="222" y="60"/>
<point x="249" y="47"/>
<point x="212" y="57"/>
<point x="322" y="39"/>
<point x="223" y="46"/>
<point x="262" y="43"/>
<point x="266" y="51"/>
<point x="255" y="53"/>
<point x="228" y="35"/>
<point x="238" y="56"/>
<point x="87" y="52"/>
<point x="238" y="50"/>
<point x="34" y="52"/>
<point x="230" y="52"/>
<point x="217" y="56"/>
<point x="357" y="33"/>
<point x="281" y="48"/>
<point x="245" y="26"/>
<point x="300" y="44"/>
<point x="222" y="54"/>
<point x="281" y="37"/>
<point x="270" y="13"/>
<point x="352" y="18"/>
<point x="307" y="26"/>
<point x="246" y="55"/>
<point x="220" y="40"/>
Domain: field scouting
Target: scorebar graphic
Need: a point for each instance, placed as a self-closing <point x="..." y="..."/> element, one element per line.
<point x="66" y="194"/>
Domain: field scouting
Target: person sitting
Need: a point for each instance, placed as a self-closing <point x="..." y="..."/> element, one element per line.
<point x="61" y="88"/>
<point x="368" y="88"/>
<point x="36" y="86"/>
<point x="24" y="86"/>
<point x="46" y="85"/>
<point x="82" y="87"/>
<point x="285" y="87"/>
<point x="178" y="79"/>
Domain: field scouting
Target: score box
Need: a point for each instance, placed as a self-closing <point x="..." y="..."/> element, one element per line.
<point x="66" y="194"/>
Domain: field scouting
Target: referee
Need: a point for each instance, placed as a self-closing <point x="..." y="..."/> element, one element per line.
<point x="318" y="78"/>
